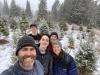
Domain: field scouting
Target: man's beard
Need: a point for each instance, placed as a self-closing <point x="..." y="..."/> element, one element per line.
<point x="27" y="62"/>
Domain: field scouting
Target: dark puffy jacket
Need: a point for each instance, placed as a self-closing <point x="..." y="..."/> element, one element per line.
<point x="36" y="38"/>
<point x="64" y="65"/>
<point x="46" y="60"/>
<point x="18" y="70"/>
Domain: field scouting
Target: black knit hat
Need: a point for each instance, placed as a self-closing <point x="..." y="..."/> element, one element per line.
<point x="54" y="33"/>
<point x="25" y="41"/>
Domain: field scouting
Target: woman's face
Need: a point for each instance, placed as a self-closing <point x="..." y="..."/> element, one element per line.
<point x="44" y="41"/>
<point x="56" y="49"/>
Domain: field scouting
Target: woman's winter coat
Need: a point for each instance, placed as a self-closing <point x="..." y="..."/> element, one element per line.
<point x="64" y="64"/>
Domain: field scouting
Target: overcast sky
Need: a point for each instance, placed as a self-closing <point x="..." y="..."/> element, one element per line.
<point x="34" y="3"/>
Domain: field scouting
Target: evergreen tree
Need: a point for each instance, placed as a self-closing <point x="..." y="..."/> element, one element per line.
<point x="98" y="16"/>
<point x="55" y="9"/>
<point x="86" y="59"/>
<point x="65" y="10"/>
<point x="63" y="26"/>
<point x="5" y="8"/>
<point x="13" y="24"/>
<point x="79" y="12"/>
<point x="92" y="12"/>
<point x="14" y="9"/>
<point x="42" y="12"/>
<point x="44" y="28"/>
<point x="0" y="8"/>
<point x="28" y="10"/>
<point x="71" y="42"/>
<point x="3" y="27"/>
<point x="24" y="24"/>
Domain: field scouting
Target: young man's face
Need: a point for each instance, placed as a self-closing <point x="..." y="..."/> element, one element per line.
<point x="56" y="49"/>
<point x="53" y="38"/>
<point x="27" y="56"/>
<point x="34" y="30"/>
<point x="44" y="41"/>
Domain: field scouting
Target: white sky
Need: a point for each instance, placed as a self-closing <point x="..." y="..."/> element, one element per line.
<point x="33" y="3"/>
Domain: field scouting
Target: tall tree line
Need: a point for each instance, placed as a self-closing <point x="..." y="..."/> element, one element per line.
<point x="14" y="10"/>
<point x="84" y="12"/>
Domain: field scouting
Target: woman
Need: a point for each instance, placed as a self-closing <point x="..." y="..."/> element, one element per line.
<point x="43" y="54"/>
<point x="63" y="63"/>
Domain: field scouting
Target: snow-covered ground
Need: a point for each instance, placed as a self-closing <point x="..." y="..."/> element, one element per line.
<point x="7" y="49"/>
<point x="5" y="53"/>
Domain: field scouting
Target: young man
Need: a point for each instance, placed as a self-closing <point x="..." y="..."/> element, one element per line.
<point x="53" y="38"/>
<point x="63" y="63"/>
<point x="27" y="63"/>
<point x="43" y="54"/>
<point x="36" y="36"/>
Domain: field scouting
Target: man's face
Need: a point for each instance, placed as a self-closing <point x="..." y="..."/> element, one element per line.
<point x="44" y="41"/>
<point x="27" y="56"/>
<point x="34" y="30"/>
<point x="53" y="38"/>
<point x="56" y="49"/>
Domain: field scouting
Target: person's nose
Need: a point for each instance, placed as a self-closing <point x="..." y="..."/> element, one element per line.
<point x="28" y="52"/>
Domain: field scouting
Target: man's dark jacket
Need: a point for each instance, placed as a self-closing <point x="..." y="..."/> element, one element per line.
<point x="16" y="69"/>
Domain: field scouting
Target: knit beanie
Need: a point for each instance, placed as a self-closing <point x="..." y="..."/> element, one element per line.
<point x="57" y="43"/>
<point x="25" y="41"/>
<point x="54" y="33"/>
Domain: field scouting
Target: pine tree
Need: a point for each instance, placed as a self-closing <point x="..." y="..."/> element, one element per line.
<point x="79" y="12"/>
<point x="55" y="9"/>
<point x="28" y="10"/>
<point x="44" y="28"/>
<point x="65" y="10"/>
<point x="13" y="24"/>
<point x="63" y="26"/>
<point x="5" y="8"/>
<point x="0" y="8"/>
<point x="85" y="58"/>
<point x="3" y="27"/>
<point x="71" y="42"/>
<point x="92" y="12"/>
<point x="98" y="16"/>
<point x="24" y="24"/>
<point x="14" y="9"/>
<point x="42" y="12"/>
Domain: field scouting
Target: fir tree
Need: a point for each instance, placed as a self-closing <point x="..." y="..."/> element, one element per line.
<point x="5" y="8"/>
<point x="3" y="27"/>
<point x="42" y="12"/>
<point x="85" y="59"/>
<point x="24" y="24"/>
<point x="13" y="24"/>
<point x="79" y="12"/>
<point x="14" y="9"/>
<point x="65" y="10"/>
<point x="71" y="42"/>
<point x="44" y="28"/>
<point x="1" y="8"/>
<point x="98" y="16"/>
<point x="28" y="10"/>
<point x="55" y="9"/>
<point x="63" y="26"/>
